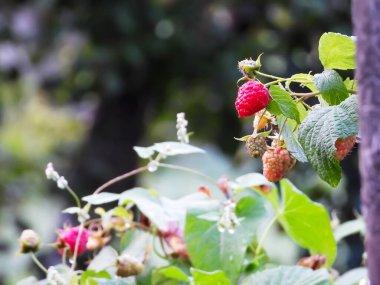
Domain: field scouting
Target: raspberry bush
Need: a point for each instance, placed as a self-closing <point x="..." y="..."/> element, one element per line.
<point x="141" y="237"/>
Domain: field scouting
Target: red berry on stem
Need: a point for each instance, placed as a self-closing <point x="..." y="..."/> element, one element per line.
<point x="344" y="146"/>
<point x="252" y="97"/>
<point x="67" y="238"/>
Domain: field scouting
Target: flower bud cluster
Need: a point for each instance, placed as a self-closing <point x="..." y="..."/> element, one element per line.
<point x="228" y="220"/>
<point x="181" y="126"/>
<point x="51" y="174"/>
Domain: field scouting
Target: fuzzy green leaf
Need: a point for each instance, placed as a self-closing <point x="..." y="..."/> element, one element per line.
<point x="319" y="131"/>
<point x="331" y="87"/>
<point x="212" y="250"/>
<point x="337" y="51"/>
<point x="289" y="275"/>
<point x="282" y="102"/>
<point x="306" y="222"/>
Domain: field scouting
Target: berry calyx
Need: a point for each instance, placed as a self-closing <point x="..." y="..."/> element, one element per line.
<point x="256" y="146"/>
<point x="260" y="121"/>
<point x="249" y="67"/>
<point x="344" y="146"/>
<point x="276" y="163"/>
<point x="252" y="97"/>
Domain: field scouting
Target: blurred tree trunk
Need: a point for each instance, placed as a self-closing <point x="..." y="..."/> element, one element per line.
<point x="108" y="152"/>
<point x="367" y="29"/>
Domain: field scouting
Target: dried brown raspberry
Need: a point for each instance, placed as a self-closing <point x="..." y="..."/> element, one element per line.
<point x="256" y="146"/>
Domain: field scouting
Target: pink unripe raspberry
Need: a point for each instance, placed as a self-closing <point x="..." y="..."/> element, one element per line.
<point x="344" y="146"/>
<point x="68" y="237"/>
<point x="277" y="163"/>
<point x="252" y="97"/>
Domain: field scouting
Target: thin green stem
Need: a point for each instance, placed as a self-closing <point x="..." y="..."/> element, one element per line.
<point x="270" y="76"/>
<point x="310" y="94"/>
<point x="74" y="195"/>
<point x="281" y="128"/>
<point x="352" y="91"/>
<point x="119" y="178"/>
<point x="74" y="259"/>
<point x="182" y="168"/>
<point x="275" y="82"/>
<point x="38" y="263"/>
<point x="265" y="234"/>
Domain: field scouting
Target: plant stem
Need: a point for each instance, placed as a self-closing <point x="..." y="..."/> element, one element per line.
<point x="282" y="127"/>
<point x="275" y="82"/>
<point x="265" y="234"/>
<point x="182" y="168"/>
<point x="270" y="76"/>
<point x="38" y="263"/>
<point x="119" y="178"/>
<point x="74" y="195"/>
<point x="81" y="227"/>
<point x="310" y="94"/>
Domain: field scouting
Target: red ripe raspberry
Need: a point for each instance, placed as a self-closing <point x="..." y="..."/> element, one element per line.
<point x="252" y="97"/>
<point x="68" y="237"/>
<point x="276" y="163"/>
<point x="344" y="146"/>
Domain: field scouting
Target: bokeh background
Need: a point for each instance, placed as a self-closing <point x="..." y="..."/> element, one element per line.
<point x="82" y="82"/>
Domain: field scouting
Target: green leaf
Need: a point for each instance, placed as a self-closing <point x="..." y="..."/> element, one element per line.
<point x="331" y="87"/>
<point x="212" y="250"/>
<point x="160" y="210"/>
<point x="101" y="198"/>
<point x="104" y="259"/>
<point x="352" y="277"/>
<point x="169" y="275"/>
<point x="89" y="275"/>
<point x="349" y="228"/>
<point x="306" y="222"/>
<point x="283" y="102"/>
<point x="289" y="275"/>
<point x="252" y="180"/>
<point x="351" y="83"/>
<point x="175" y="148"/>
<point x="209" y="278"/>
<point x="304" y="79"/>
<point x="319" y="131"/>
<point x="290" y="135"/>
<point x="337" y="51"/>
<point x="150" y="205"/>
<point x="144" y="152"/>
